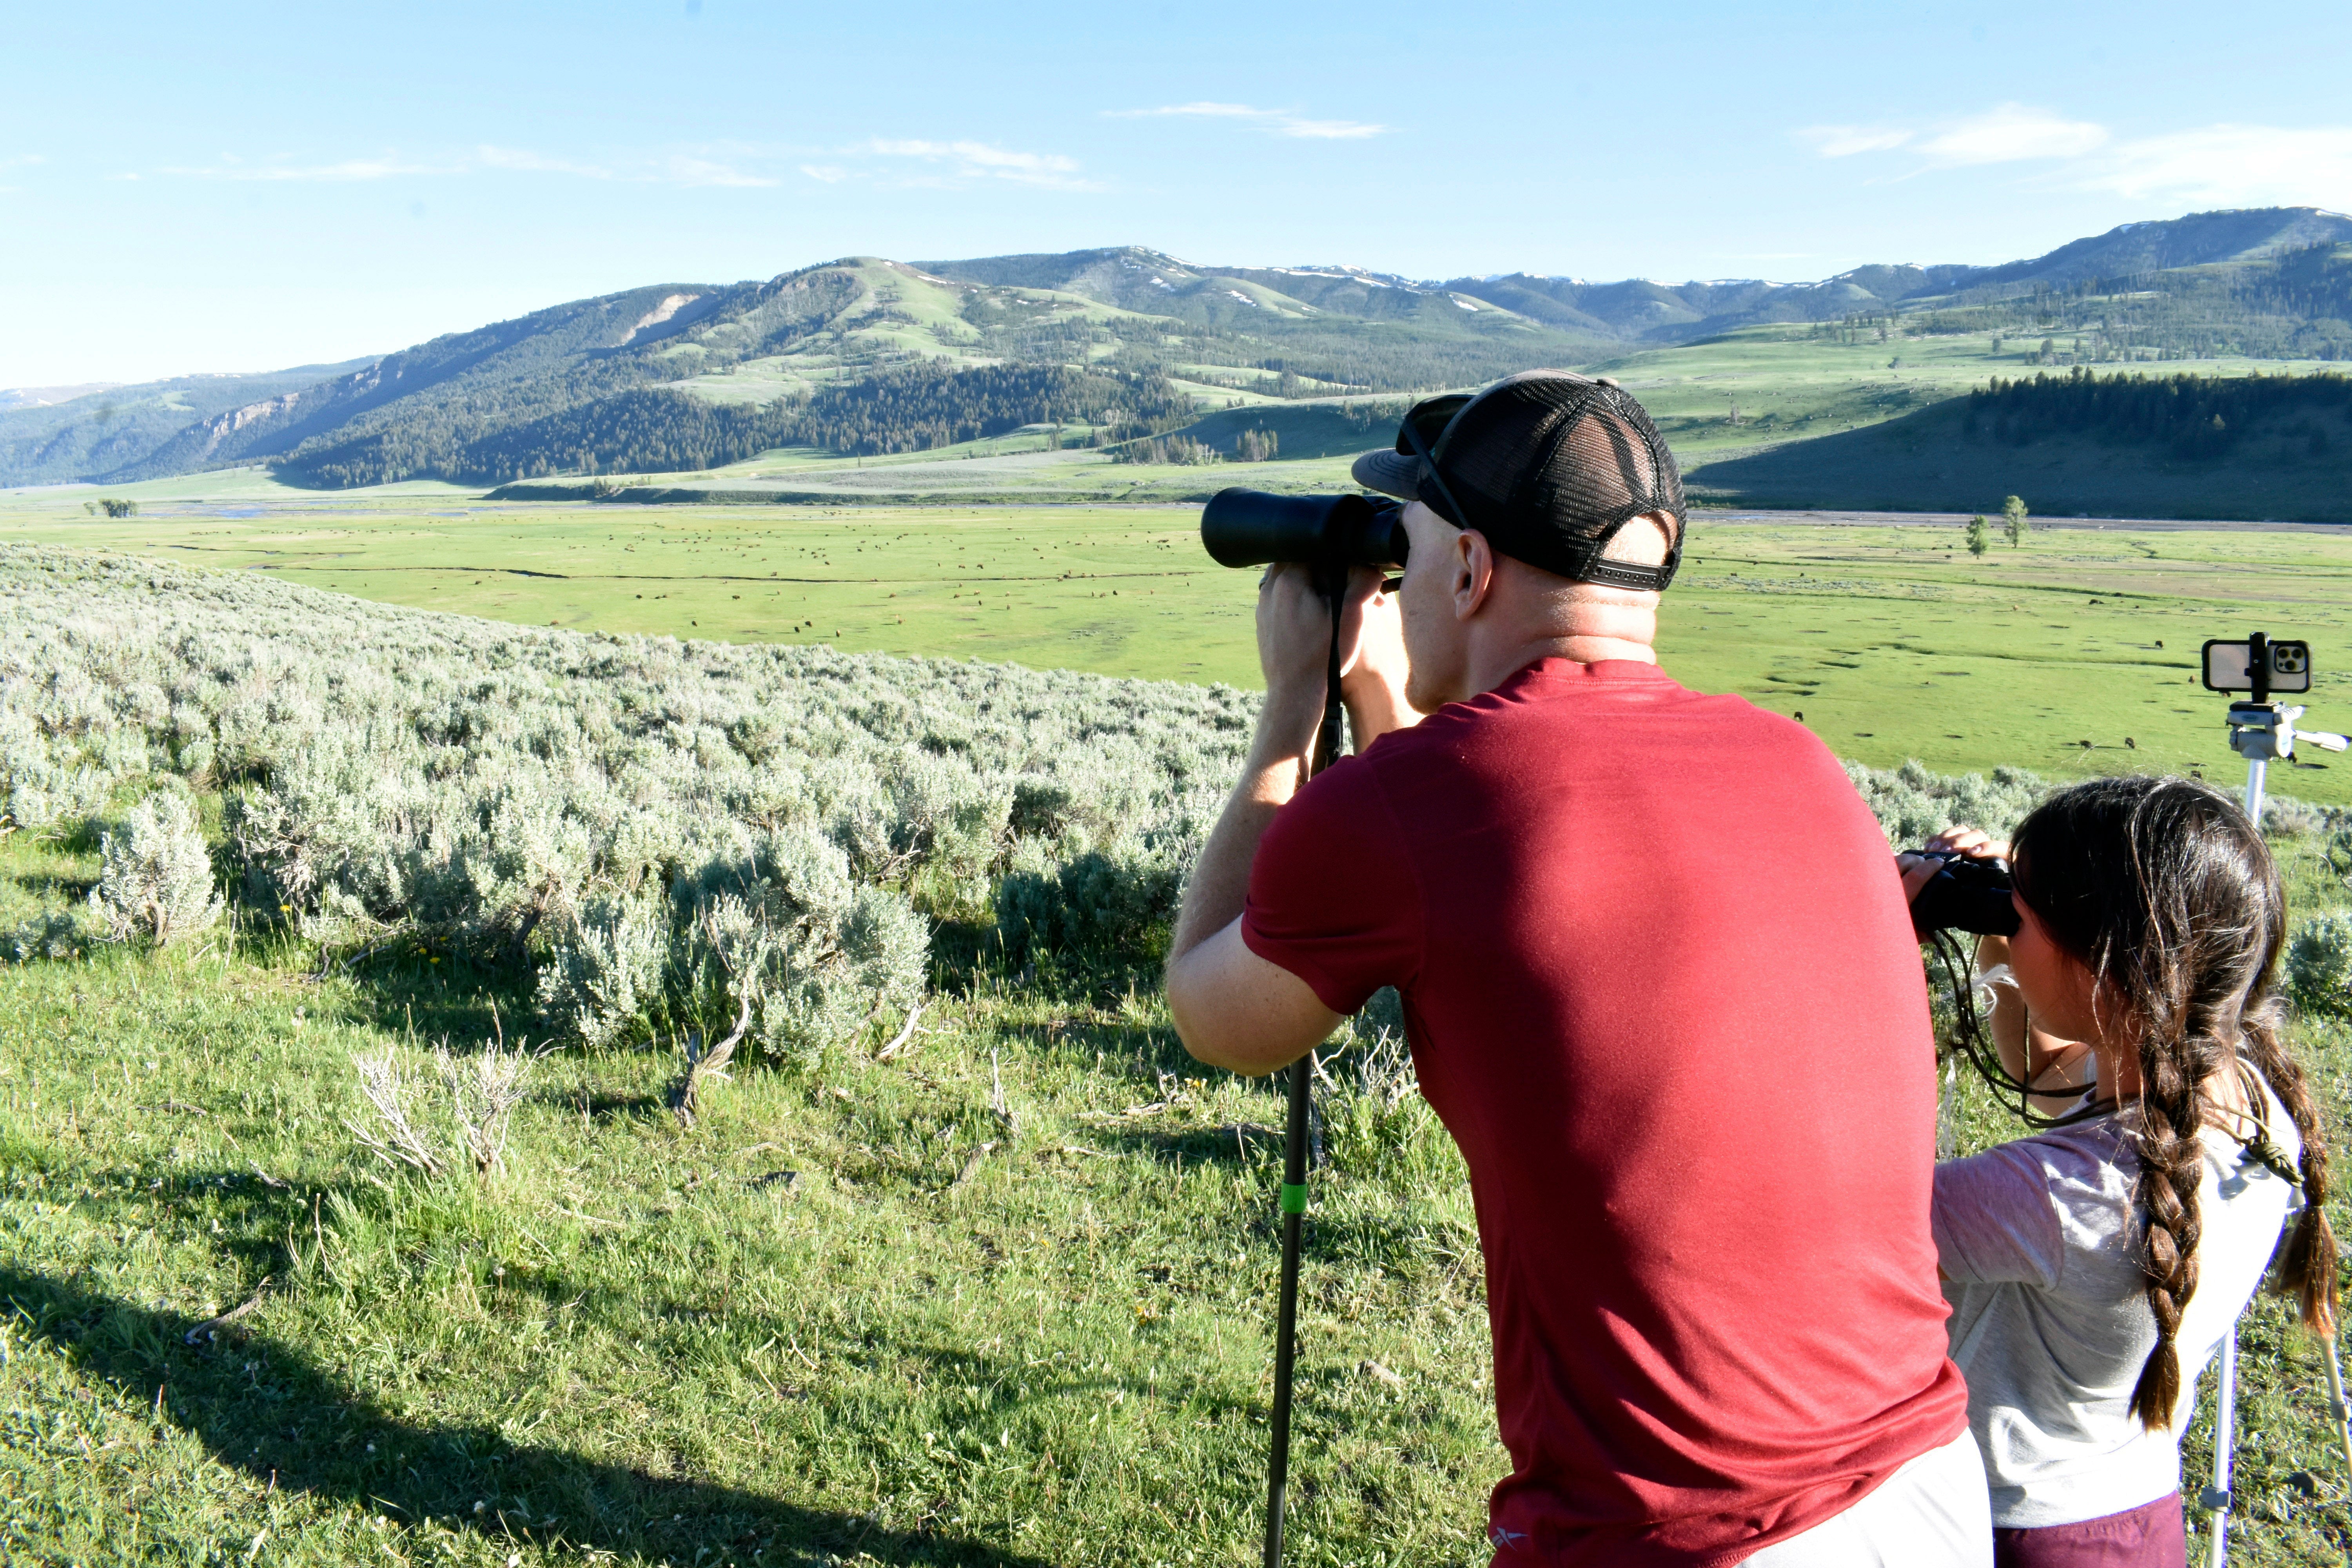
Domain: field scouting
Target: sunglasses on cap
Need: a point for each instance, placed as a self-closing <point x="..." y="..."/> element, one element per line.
<point x="1424" y="421"/>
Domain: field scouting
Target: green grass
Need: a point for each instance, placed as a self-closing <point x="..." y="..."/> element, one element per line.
<point x="1891" y="641"/>
<point x="849" y="1316"/>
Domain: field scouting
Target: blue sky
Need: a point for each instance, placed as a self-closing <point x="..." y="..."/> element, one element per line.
<point x="231" y="187"/>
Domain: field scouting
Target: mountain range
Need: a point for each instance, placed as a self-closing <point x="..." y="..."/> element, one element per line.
<point x="868" y="355"/>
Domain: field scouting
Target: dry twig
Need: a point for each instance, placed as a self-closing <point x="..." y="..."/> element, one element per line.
<point x="904" y="1035"/>
<point x="210" y="1326"/>
<point x="1004" y="1116"/>
<point x="483" y="1093"/>
<point x="702" y="1065"/>
<point x="397" y="1137"/>
<point x="971" y="1166"/>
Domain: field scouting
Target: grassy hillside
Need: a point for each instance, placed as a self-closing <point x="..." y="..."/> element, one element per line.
<point x="687" y="375"/>
<point x="2287" y="456"/>
<point x="118" y="429"/>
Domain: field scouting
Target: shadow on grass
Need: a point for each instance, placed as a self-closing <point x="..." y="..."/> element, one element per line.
<point x="265" y="1408"/>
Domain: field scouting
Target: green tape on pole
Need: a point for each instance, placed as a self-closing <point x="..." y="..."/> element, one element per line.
<point x="1294" y="1198"/>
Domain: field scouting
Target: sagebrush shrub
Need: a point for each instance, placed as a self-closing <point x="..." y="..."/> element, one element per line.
<point x="1106" y="908"/>
<point x="605" y="980"/>
<point x="2319" y="965"/>
<point x="583" y="804"/>
<point x="155" y="880"/>
<point x="1911" y="802"/>
<point x="390" y="772"/>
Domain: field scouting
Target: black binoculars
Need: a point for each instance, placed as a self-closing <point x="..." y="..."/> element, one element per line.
<point x="1329" y="533"/>
<point x="1965" y="894"/>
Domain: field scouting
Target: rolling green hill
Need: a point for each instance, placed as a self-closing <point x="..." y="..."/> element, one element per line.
<point x="1111" y="347"/>
<point x="2114" y="445"/>
<point x="116" y="429"/>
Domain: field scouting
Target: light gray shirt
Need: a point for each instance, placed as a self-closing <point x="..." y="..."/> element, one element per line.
<point x="2050" y="1318"/>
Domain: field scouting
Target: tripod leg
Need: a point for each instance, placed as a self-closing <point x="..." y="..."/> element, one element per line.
<point x="2336" y="1404"/>
<point x="1293" y="1160"/>
<point x="1286" y="1328"/>
<point x="2225" y="1423"/>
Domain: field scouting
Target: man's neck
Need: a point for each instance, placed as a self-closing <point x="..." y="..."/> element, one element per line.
<point x="1490" y="669"/>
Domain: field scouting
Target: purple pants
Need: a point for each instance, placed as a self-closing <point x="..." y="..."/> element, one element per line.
<point x="2153" y="1535"/>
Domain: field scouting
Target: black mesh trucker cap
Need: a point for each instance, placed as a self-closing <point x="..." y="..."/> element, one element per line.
<point x="1548" y="465"/>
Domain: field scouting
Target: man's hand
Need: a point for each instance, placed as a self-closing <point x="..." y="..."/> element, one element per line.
<point x="1294" y="653"/>
<point x="1374" y="668"/>
<point x="1232" y="1008"/>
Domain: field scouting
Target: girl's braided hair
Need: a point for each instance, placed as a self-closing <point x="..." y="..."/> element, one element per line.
<point x="2165" y="892"/>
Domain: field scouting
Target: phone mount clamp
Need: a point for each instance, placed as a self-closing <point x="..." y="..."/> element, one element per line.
<point x="2262" y="731"/>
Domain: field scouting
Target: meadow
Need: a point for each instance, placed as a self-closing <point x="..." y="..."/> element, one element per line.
<point x="985" y="1282"/>
<point x="2073" y="654"/>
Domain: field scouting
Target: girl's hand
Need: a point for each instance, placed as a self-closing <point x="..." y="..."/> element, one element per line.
<point x="1916" y="871"/>
<point x="1971" y="842"/>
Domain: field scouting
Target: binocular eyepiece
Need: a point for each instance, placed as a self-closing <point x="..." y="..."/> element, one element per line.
<point x="1965" y="894"/>
<point x="1329" y="533"/>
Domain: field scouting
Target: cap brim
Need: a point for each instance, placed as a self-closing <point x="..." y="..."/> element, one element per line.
<point x="1392" y="473"/>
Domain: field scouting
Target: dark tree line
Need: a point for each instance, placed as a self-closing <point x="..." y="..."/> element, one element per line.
<point x="2192" y="416"/>
<point x="924" y="406"/>
<point x="912" y="407"/>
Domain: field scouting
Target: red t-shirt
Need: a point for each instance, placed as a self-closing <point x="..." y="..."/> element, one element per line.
<point x="1661" y="988"/>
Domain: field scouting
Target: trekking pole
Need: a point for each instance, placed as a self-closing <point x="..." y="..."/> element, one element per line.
<point x="1294" y="1153"/>
<point x="2225" y="1411"/>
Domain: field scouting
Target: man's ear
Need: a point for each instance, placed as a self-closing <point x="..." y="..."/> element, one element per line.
<point x="1474" y="573"/>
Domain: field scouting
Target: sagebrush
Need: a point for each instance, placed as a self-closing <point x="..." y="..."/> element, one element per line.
<point x="661" y="835"/>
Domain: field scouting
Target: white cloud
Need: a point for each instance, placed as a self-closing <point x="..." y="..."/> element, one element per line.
<point x="1330" y="130"/>
<point x="685" y="171"/>
<point x="2013" y="133"/>
<point x="1281" y="121"/>
<point x="1845" y="141"/>
<point x="830" y="173"/>
<point x="1203" y="110"/>
<point x="21" y="160"/>
<point x="384" y="168"/>
<point x="521" y="161"/>
<point x="675" y="168"/>
<point x="2232" y="165"/>
<point x="2210" y="166"/>
<point x="978" y="160"/>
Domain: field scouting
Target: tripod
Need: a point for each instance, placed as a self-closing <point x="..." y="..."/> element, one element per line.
<point x="1332" y="583"/>
<point x="2261" y="732"/>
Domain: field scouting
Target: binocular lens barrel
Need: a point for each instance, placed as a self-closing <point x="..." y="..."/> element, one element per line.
<point x="1253" y="528"/>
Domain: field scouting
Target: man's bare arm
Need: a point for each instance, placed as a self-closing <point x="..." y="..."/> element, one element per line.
<point x="1234" y="1009"/>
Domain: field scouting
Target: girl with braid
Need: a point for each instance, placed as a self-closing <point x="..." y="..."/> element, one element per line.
<point x="2094" y="1268"/>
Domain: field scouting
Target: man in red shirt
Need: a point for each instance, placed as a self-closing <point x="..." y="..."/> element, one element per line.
<point x="1646" y="943"/>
